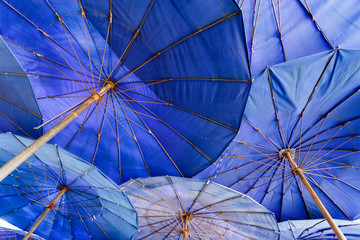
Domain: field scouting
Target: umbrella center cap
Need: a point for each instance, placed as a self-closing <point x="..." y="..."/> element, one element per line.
<point x="109" y="81"/>
<point x="96" y="96"/>
<point x="283" y="152"/>
<point x="186" y="216"/>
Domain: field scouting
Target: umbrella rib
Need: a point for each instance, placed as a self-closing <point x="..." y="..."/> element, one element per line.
<point x="196" y="148"/>
<point x="336" y="178"/>
<point x="307" y="9"/>
<point x="179" y="41"/>
<point x="313" y="91"/>
<point x="51" y="40"/>
<point x="254" y="25"/>
<point x="311" y="164"/>
<point x="127" y="49"/>
<point x="201" y="229"/>
<point x="271" y="181"/>
<point x="72" y="47"/>
<point x="332" y="109"/>
<point x="118" y="142"/>
<point x="314" y="182"/>
<point x="278" y="24"/>
<point x="328" y="140"/>
<point x="13" y="123"/>
<point x="177" y="107"/>
<point x="99" y="132"/>
<point x="197" y="197"/>
<point x="10" y="101"/>
<point x="280" y="129"/>
<point x="73" y="35"/>
<point x="63" y="94"/>
<point x="46" y="60"/>
<point x="156" y="231"/>
<point x="272" y="143"/>
<point x="86" y="118"/>
<point x="177" y="196"/>
<point x="311" y="144"/>
<point x="152" y="134"/>
<point x="85" y="20"/>
<point x="212" y="204"/>
<point x="136" y="140"/>
<point x="259" y="146"/>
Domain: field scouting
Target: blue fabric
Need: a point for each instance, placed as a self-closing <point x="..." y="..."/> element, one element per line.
<point x="93" y="207"/>
<point x="19" y="112"/>
<point x="279" y="31"/>
<point x="317" y="102"/>
<point x="318" y="229"/>
<point x="181" y="84"/>
<point x="216" y="211"/>
<point x="14" y="234"/>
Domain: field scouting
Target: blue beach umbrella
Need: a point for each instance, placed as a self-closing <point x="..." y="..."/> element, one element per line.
<point x="19" y="112"/>
<point x="279" y="31"/>
<point x="300" y="131"/>
<point x="14" y="234"/>
<point x="165" y="81"/>
<point x="317" y="230"/>
<point x="59" y="196"/>
<point x="181" y="208"/>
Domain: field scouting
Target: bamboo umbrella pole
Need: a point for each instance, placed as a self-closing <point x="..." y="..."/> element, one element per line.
<point x="47" y="210"/>
<point x="300" y="172"/>
<point x="31" y="149"/>
<point x="186" y="217"/>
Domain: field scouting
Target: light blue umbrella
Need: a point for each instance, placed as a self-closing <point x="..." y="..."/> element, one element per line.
<point x="317" y="229"/>
<point x="181" y="208"/>
<point x="62" y="195"/>
<point x="14" y="234"/>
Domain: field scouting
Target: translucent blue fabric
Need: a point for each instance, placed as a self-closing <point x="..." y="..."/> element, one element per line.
<point x="19" y="112"/>
<point x="309" y="107"/>
<point x="92" y="207"/>
<point x="171" y="207"/>
<point x="14" y="234"/>
<point x="180" y="67"/>
<point x="318" y="229"/>
<point x="279" y="31"/>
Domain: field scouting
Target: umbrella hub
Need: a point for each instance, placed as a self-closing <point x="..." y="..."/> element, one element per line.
<point x="283" y="153"/>
<point x="96" y="96"/>
<point x="186" y="216"/>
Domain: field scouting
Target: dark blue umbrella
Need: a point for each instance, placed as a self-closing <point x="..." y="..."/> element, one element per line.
<point x="300" y="126"/>
<point x="279" y="31"/>
<point x="181" y="208"/>
<point x="59" y="196"/>
<point x="174" y="78"/>
<point x="317" y="230"/>
<point x="19" y="112"/>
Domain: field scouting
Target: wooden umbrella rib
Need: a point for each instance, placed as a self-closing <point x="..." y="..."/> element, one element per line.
<point x="126" y="50"/>
<point x="307" y="9"/>
<point x="13" y="123"/>
<point x="278" y="24"/>
<point x="8" y="100"/>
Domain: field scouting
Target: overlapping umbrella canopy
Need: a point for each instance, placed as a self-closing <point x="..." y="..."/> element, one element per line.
<point x="279" y="31"/>
<point x="17" y="100"/>
<point x="179" y="74"/>
<point x="88" y="205"/>
<point x="317" y="229"/>
<point x="180" y="208"/>
<point x="308" y="108"/>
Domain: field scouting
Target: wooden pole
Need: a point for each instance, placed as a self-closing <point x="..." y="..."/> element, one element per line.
<point x="300" y="172"/>
<point x="186" y="217"/>
<point x="47" y="210"/>
<point x="31" y="149"/>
